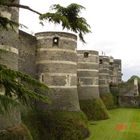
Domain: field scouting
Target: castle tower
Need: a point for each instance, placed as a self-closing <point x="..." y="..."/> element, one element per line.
<point x="9" y="57"/>
<point x="57" y="67"/>
<point x="104" y="74"/>
<point x="88" y="74"/>
<point x="88" y="85"/>
<point x="118" y="70"/>
<point x="9" y="38"/>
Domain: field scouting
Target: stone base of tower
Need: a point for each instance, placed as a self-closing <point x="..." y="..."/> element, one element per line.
<point x="57" y="125"/>
<point x="61" y="100"/>
<point x="94" y="109"/>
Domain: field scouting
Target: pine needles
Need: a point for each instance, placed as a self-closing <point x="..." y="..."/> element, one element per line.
<point x="20" y="87"/>
<point x="69" y="18"/>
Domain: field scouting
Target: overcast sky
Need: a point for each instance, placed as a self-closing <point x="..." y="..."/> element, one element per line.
<point x="115" y="26"/>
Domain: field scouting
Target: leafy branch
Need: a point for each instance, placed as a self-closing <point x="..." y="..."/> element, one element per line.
<point x="20" y="86"/>
<point x="68" y="17"/>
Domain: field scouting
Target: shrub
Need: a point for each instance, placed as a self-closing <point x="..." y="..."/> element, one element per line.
<point x="94" y="109"/>
<point x="57" y="125"/>
<point x="19" y="132"/>
<point x="108" y="100"/>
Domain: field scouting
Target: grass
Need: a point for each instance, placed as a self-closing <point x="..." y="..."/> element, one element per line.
<point x="123" y="125"/>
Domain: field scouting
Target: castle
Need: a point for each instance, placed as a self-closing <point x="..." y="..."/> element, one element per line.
<point x="73" y="76"/>
<point x="52" y="58"/>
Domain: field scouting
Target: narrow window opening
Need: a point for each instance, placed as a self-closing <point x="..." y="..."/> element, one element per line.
<point x="86" y="54"/>
<point x="55" y="41"/>
<point x="101" y="61"/>
<point x="42" y="77"/>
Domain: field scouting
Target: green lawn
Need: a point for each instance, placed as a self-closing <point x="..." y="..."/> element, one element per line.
<point x="123" y="125"/>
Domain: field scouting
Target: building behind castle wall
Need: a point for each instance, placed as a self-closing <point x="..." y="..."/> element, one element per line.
<point x="57" y="67"/>
<point x="129" y="101"/>
<point x="88" y="74"/>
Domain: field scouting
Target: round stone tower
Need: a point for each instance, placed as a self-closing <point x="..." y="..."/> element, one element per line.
<point x="104" y="74"/>
<point x="88" y="85"/>
<point x="9" y="57"/>
<point x="118" y="71"/>
<point x="88" y="74"/>
<point x="9" y="38"/>
<point x="57" y="67"/>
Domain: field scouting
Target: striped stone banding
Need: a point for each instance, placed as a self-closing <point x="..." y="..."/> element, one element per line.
<point x="63" y="38"/>
<point x="88" y="77"/>
<point x="102" y="68"/>
<point x="88" y="63"/>
<point x="105" y="79"/>
<point x="57" y="50"/>
<point x="89" y="55"/>
<point x="61" y="74"/>
<point x="104" y="85"/>
<point x="103" y="74"/>
<point x="62" y="87"/>
<point x="89" y="85"/>
<point x="9" y="49"/>
<point x="6" y="14"/>
<point x="87" y="70"/>
<point x="58" y="62"/>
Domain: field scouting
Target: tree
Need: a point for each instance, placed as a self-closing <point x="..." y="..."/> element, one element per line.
<point x="68" y="17"/>
<point x="14" y="82"/>
<point x="18" y="86"/>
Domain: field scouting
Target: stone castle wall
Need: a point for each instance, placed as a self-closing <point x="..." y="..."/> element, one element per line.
<point x="104" y="74"/>
<point x="9" y="39"/>
<point x="52" y="58"/>
<point x="88" y="74"/>
<point x="109" y="73"/>
<point x="27" y="53"/>
<point x="9" y="53"/>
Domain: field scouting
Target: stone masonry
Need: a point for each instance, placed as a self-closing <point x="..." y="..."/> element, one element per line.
<point x="88" y="74"/>
<point x="52" y="58"/>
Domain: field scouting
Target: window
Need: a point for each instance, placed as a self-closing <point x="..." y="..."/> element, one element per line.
<point x="86" y="54"/>
<point x="101" y="61"/>
<point x="42" y="77"/>
<point x="96" y="81"/>
<point x="55" y="41"/>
